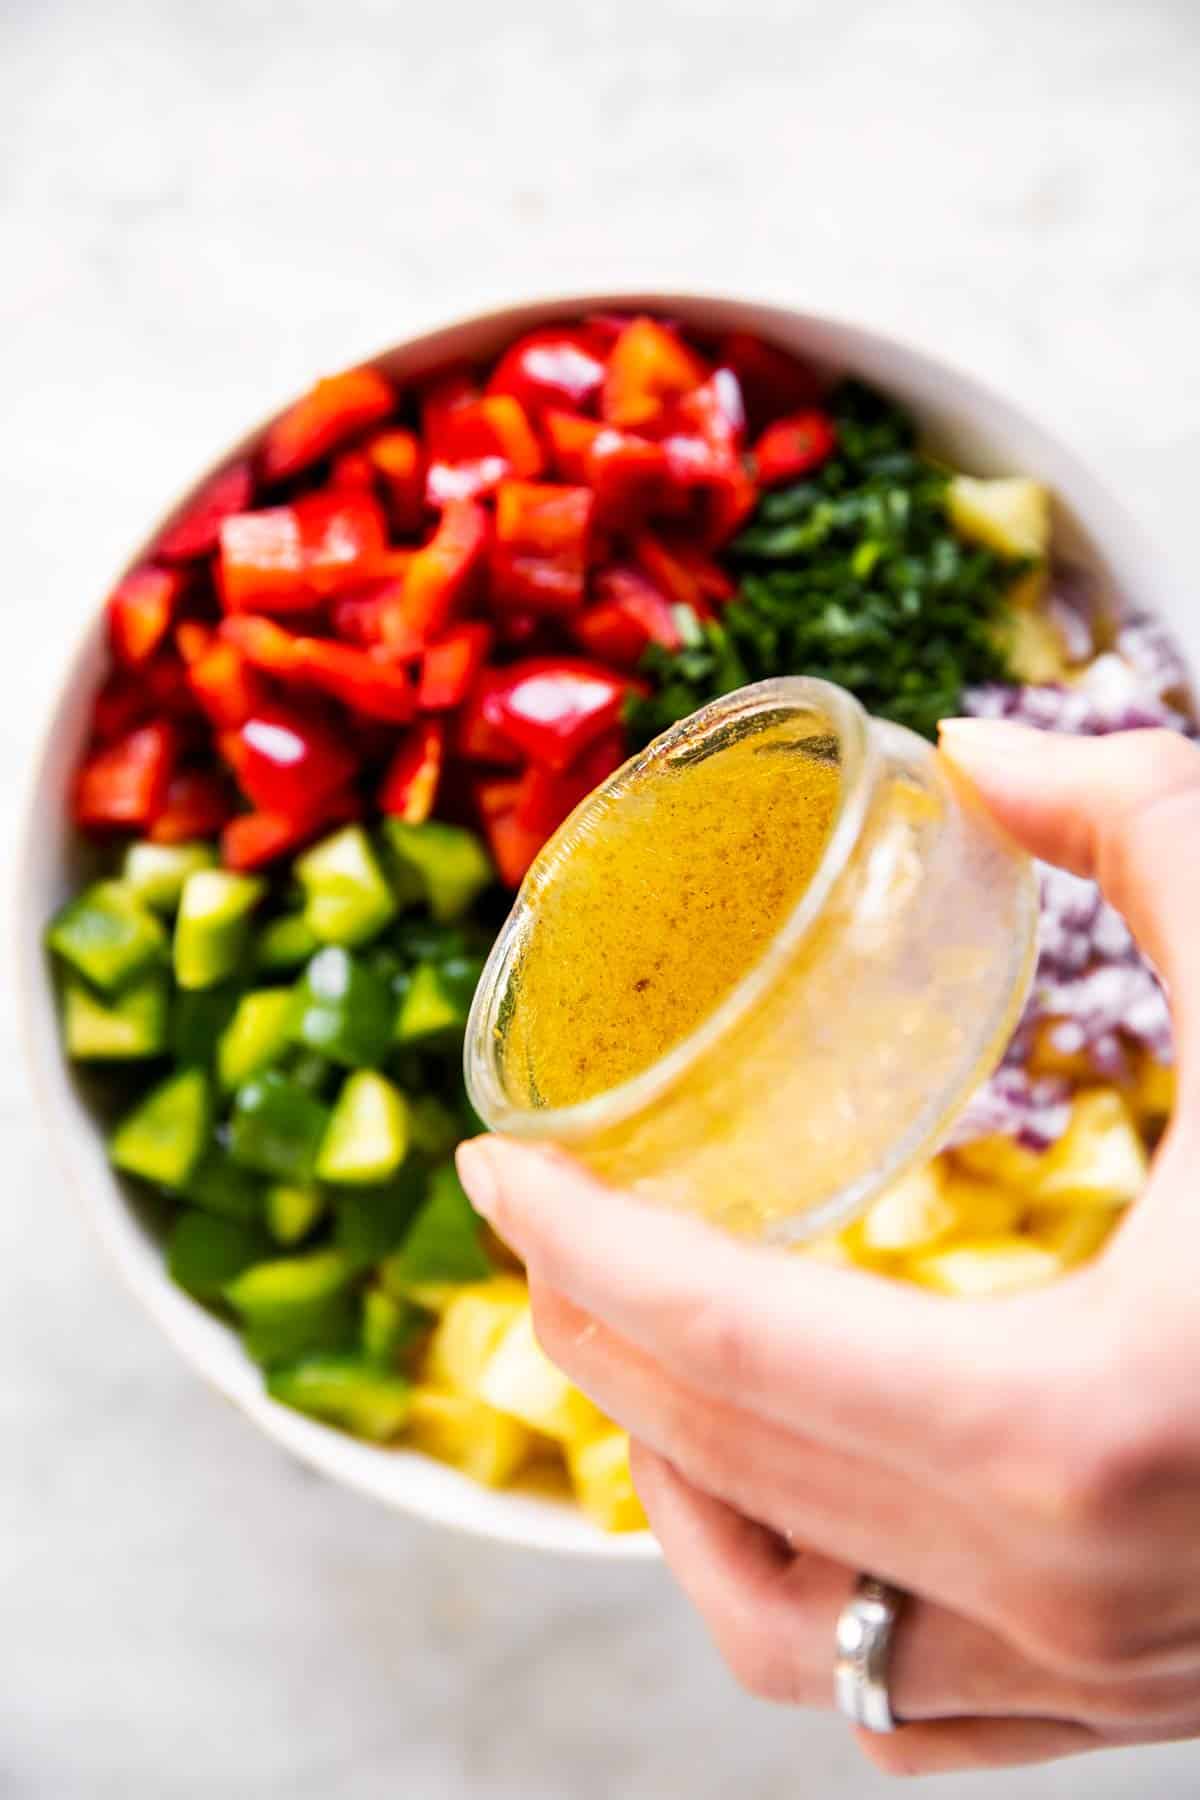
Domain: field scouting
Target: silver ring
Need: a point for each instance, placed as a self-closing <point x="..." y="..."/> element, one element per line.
<point x="865" y="1630"/>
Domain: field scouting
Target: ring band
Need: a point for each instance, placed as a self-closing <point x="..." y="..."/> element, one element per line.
<point x="865" y="1629"/>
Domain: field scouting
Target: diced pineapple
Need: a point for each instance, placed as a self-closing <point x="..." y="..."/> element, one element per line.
<point x="1046" y="1058"/>
<point x="1100" y="1159"/>
<point x="1002" y="1161"/>
<point x="1001" y="1265"/>
<point x="1010" y="515"/>
<point x="599" y="1471"/>
<point x="1153" y="1095"/>
<point x="520" y="1379"/>
<point x="468" y="1331"/>
<point x="911" y="1213"/>
<point x="1074" y="1233"/>
<point x="1032" y="646"/>
<point x="980" y="1209"/>
<point x="489" y="1446"/>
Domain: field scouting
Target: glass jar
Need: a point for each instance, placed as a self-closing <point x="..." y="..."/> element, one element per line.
<point x="846" y="1049"/>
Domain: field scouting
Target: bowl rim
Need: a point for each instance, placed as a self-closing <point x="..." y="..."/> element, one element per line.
<point x="423" y="1487"/>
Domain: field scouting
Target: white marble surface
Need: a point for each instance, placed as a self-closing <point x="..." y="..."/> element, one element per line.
<point x="202" y="204"/>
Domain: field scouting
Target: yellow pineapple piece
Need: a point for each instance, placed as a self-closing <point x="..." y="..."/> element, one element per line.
<point x="909" y="1214"/>
<point x="1074" y="1233"/>
<point x="1153" y="1094"/>
<point x="1000" y="1265"/>
<point x="1100" y="1160"/>
<point x="599" y="1472"/>
<point x="1001" y="1161"/>
<point x="471" y="1325"/>
<point x="489" y="1446"/>
<point x="520" y="1379"/>
<point x="1032" y="646"/>
<point x="1010" y="515"/>
<point x="980" y="1209"/>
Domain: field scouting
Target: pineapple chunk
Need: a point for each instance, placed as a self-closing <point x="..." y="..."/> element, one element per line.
<point x="468" y="1331"/>
<point x="1153" y="1095"/>
<point x="599" y="1471"/>
<point x="1000" y="1265"/>
<point x="1100" y="1159"/>
<point x="1073" y="1233"/>
<point x="1003" y="1162"/>
<point x="488" y="1446"/>
<point x="910" y="1214"/>
<point x="1032" y="647"/>
<point x="1010" y="515"/>
<point x="520" y="1379"/>
<point x="980" y="1209"/>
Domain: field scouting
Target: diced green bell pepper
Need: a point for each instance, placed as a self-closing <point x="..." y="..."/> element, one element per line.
<point x="276" y="1127"/>
<point x="285" y="943"/>
<point x="452" y="863"/>
<point x="347" y="1391"/>
<point x="131" y="1024"/>
<point x="343" y="1009"/>
<point x="198" y="1017"/>
<point x="213" y="926"/>
<point x="108" y="936"/>
<point x="443" y="1242"/>
<point x="437" y="999"/>
<point x="205" y="1253"/>
<point x="292" y="1212"/>
<point x="369" y="1223"/>
<point x="433" y="1127"/>
<point x="347" y="897"/>
<point x="156" y="872"/>
<point x="256" y="1036"/>
<point x="164" y="1137"/>
<point x="293" y="1304"/>
<point x="367" y="1139"/>
<point x="389" y="1326"/>
<point x="219" y="1185"/>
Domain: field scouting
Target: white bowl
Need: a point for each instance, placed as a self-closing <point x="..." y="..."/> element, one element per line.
<point x="966" y="422"/>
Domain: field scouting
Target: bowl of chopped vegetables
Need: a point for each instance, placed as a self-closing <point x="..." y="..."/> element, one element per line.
<point x="336" y="702"/>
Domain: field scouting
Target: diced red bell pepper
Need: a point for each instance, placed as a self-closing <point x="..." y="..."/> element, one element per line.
<point x="555" y="366"/>
<point x="333" y="410"/>
<point x="410" y="785"/>
<point x="476" y="737"/>
<point x="193" y="640"/>
<point x="552" y="708"/>
<point x="703" y="442"/>
<point x="399" y="462"/>
<point x="140" y="609"/>
<point x="715" y="413"/>
<point x="198" y="803"/>
<point x="227" y="689"/>
<point x="253" y="840"/>
<point x="571" y="439"/>
<point x="496" y="794"/>
<point x="439" y="399"/>
<point x="120" y="704"/>
<point x="684" y="572"/>
<point x="285" y="558"/>
<point x="629" y="476"/>
<point x="629" y="614"/>
<point x="648" y="365"/>
<point x="450" y="665"/>
<point x="794" y="447"/>
<point x="352" y="469"/>
<point x="358" y="617"/>
<point x="124" y="785"/>
<point x="358" y="679"/>
<point x="545" y="799"/>
<point x="513" y="846"/>
<point x="166" y="683"/>
<point x="196" y="530"/>
<point x="437" y="577"/>
<point x="773" y="382"/>
<point x="482" y="442"/>
<point x="541" y="549"/>
<point x="285" y="762"/>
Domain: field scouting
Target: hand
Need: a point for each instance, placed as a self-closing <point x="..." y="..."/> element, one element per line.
<point x="1026" y="1468"/>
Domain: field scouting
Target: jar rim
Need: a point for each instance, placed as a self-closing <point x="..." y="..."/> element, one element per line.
<point x="858" y="755"/>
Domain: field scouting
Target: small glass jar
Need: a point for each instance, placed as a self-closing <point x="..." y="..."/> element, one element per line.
<point x="847" y="1049"/>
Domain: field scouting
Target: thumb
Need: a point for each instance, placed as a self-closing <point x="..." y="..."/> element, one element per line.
<point x="1123" y="809"/>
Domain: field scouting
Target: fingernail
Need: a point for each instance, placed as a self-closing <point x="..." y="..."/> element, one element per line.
<point x="477" y="1172"/>
<point x="974" y="743"/>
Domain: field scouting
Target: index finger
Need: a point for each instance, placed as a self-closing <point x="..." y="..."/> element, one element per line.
<point x="856" y="1362"/>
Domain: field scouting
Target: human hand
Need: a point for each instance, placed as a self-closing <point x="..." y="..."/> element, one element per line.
<point x="1026" y="1468"/>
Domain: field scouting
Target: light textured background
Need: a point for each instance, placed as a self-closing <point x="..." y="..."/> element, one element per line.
<point x="202" y="204"/>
